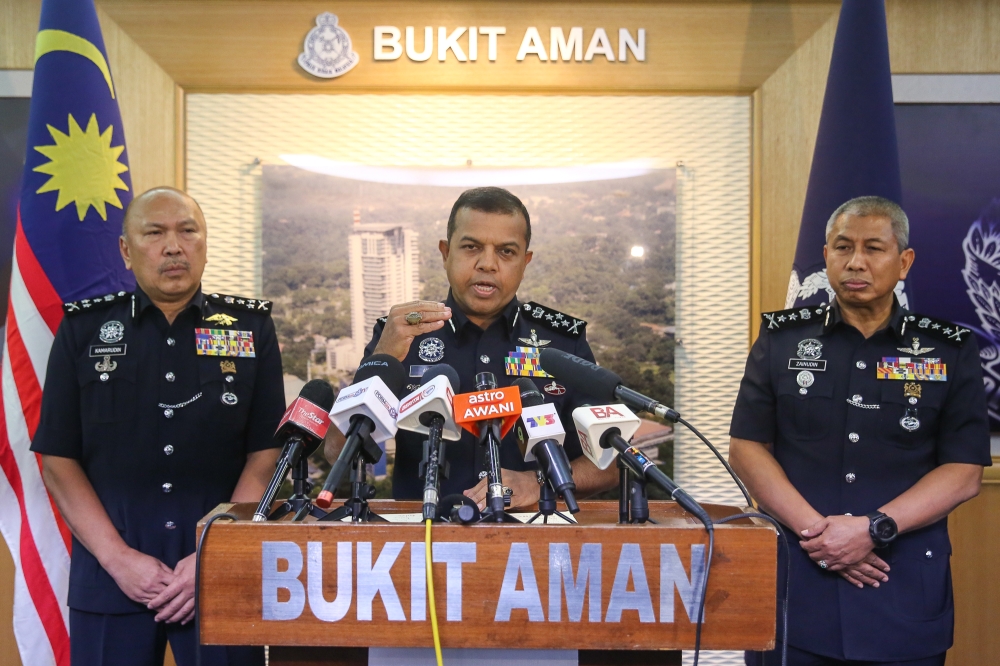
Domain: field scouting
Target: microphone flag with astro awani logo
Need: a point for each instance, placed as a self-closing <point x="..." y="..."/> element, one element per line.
<point x="856" y="153"/>
<point x="75" y="187"/>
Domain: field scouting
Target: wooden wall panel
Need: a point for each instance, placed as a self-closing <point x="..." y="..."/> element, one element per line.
<point x="146" y="100"/>
<point x="975" y="542"/>
<point x="18" y="25"/>
<point x="944" y="36"/>
<point x="235" y="46"/>
<point x="791" y="102"/>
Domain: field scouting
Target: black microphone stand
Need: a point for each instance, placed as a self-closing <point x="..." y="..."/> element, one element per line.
<point x="547" y="504"/>
<point x="299" y="502"/>
<point x="633" y="500"/>
<point x="356" y="506"/>
<point x="433" y="467"/>
<point x="490" y="438"/>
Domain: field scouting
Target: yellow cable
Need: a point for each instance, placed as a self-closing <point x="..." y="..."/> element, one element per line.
<point x="430" y="592"/>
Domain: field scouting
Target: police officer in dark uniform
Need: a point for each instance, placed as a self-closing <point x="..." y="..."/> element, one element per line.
<point x="482" y="327"/>
<point x="860" y="426"/>
<point x="158" y="405"/>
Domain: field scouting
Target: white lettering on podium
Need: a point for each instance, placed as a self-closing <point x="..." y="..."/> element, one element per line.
<point x="672" y="575"/>
<point x="519" y="564"/>
<point x="450" y="41"/>
<point x="561" y="578"/>
<point x="376" y="580"/>
<point x="387" y="36"/>
<point x="561" y="48"/>
<point x="330" y="611"/>
<point x="454" y="554"/>
<point x="599" y="45"/>
<point x="273" y="580"/>
<point x="418" y="582"/>
<point x="411" y="51"/>
<point x="630" y="564"/>
<point x="532" y="45"/>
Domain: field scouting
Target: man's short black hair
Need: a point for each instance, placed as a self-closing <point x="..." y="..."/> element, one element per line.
<point x="490" y="200"/>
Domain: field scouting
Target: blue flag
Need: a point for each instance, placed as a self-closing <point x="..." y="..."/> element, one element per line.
<point x="76" y="181"/>
<point x="856" y="153"/>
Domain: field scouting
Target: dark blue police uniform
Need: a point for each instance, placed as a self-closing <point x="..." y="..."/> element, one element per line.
<point x="162" y="429"/>
<point x="854" y="423"/>
<point x="471" y="350"/>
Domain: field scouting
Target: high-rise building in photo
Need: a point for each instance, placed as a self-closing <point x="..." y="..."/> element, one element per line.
<point x="385" y="271"/>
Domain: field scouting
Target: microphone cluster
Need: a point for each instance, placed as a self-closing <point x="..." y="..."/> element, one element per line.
<point x="369" y="412"/>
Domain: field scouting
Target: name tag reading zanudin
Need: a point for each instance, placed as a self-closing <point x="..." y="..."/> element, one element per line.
<point x="224" y="342"/>
<point x="801" y="364"/>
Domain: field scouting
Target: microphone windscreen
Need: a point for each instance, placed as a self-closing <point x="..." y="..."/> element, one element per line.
<point x="530" y="395"/>
<point x="318" y="392"/>
<point x="385" y="367"/>
<point x="580" y="374"/>
<point x="447" y="371"/>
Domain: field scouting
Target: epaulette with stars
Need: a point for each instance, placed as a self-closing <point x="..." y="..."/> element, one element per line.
<point x="241" y="303"/>
<point x="781" y="319"/>
<point x="98" y="303"/>
<point x="936" y="328"/>
<point x="553" y="319"/>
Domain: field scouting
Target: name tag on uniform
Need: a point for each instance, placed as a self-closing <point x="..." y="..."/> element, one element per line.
<point x="107" y="350"/>
<point x="801" y="364"/>
<point x="223" y="342"/>
<point x="919" y="369"/>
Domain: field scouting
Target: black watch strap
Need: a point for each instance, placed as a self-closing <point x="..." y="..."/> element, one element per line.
<point x="881" y="528"/>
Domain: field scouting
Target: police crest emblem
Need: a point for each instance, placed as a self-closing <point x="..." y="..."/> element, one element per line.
<point x="326" y="51"/>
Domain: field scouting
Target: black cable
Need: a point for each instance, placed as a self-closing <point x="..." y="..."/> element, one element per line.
<point x="743" y="489"/>
<point x="197" y="583"/>
<point x="788" y="574"/>
<point x="704" y="593"/>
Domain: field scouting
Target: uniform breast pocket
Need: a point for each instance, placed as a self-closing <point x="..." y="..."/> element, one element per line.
<point x="807" y="415"/>
<point x="906" y="420"/>
<point x="227" y="388"/>
<point x="109" y="396"/>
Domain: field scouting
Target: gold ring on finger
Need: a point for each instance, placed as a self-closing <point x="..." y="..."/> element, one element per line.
<point x="414" y="318"/>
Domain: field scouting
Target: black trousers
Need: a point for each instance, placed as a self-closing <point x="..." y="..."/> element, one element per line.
<point x="136" y="640"/>
<point x="798" y="657"/>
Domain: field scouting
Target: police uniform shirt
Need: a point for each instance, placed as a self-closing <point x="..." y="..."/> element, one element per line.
<point x="471" y="350"/>
<point x="854" y="423"/>
<point x="161" y="431"/>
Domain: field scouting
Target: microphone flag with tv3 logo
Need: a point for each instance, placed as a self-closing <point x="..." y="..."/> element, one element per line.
<point x="601" y="383"/>
<point x="301" y="429"/>
<point x="368" y="407"/>
<point x="540" y="437"/>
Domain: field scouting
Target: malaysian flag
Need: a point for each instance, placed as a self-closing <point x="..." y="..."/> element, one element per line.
<point x="74" y="189"/>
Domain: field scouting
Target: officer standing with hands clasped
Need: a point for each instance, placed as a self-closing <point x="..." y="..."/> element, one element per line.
<point x="860" y="426"/>
<point x="158" y="405"/>
<point x="482" y="327"/>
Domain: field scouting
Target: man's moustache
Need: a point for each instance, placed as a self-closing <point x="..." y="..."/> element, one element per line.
<point x="181" y="264"/>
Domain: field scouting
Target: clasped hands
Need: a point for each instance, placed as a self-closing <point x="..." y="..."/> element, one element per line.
<point x="845" y="544"/>
<point x="148" y="581"/>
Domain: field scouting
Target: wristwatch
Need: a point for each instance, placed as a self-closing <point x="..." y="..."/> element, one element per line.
<point x="881" y="528"/>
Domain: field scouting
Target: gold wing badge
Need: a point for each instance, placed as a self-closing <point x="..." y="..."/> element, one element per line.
<point x="222" y="319"/>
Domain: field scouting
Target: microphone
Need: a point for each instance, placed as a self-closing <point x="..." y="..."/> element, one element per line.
<point x="599" y="382"/>
<point x="540" y="437"/>
<point x="489" y="414"/>
<point x="302" y="428"/>
<point x="366" y="408"/>
<point x="428" y="410"/>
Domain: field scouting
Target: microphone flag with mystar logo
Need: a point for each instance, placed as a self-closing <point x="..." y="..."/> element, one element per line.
<point x="75" y="187"/>
<point x="856" y="153"/>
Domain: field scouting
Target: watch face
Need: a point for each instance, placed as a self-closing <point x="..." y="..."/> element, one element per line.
<point x="884" y="529"/>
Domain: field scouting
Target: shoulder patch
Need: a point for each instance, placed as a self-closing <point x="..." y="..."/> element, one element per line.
<point x="939" y="329"/>
<point x="87" y="304"/>
<point x="240" y="303"/>
<point x="781" y="319"/>
<point x="553" y="319"/>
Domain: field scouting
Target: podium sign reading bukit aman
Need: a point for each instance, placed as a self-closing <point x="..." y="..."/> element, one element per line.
<point x="593" y="585"/>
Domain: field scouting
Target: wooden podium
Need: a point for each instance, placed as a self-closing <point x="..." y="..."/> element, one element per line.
<point x="597" y="586"/>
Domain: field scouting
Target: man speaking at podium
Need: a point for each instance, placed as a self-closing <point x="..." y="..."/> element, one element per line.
<point x="478" y="327"/>
<point x="158" y="405"/>
<point x="860" y="426"/>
